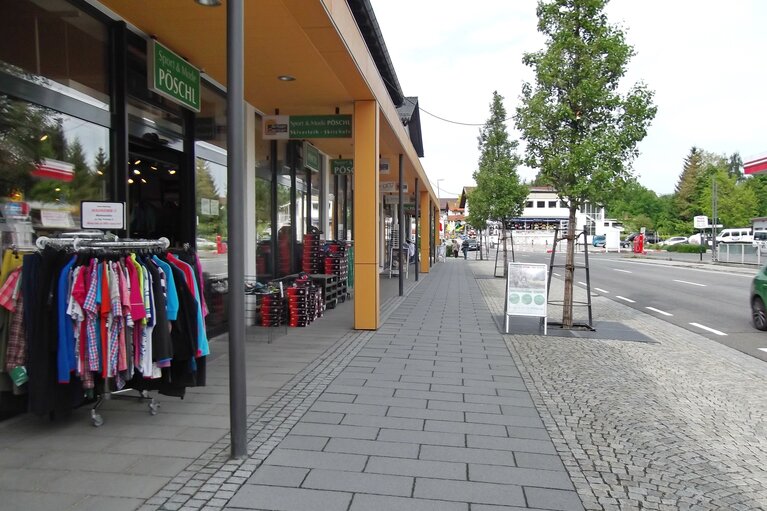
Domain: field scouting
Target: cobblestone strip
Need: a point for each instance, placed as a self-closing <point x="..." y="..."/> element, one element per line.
<point x="675" y="425"/>
<point x="211" y="480"/>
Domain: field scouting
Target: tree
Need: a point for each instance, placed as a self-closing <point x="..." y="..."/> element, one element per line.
<point x="688" y="187"/>
<point x="205" y="188"/>
<point x="581" y="133"/>
<point x="499" y="195"/>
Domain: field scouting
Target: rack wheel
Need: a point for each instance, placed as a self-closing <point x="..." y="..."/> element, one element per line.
<point x="96" y="419"/>
<point x="154" y="406"/>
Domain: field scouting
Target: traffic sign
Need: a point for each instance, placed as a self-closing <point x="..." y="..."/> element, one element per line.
<point x="700" y="222"/>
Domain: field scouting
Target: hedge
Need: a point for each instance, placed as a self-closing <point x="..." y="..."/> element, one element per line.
<point x="687" y="248"/>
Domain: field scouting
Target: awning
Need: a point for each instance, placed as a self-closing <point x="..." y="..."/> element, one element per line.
<point x="756" y="165"/>
<point x="54" y="169"/>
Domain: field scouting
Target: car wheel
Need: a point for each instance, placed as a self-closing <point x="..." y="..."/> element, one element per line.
<point x="759" y="314"/>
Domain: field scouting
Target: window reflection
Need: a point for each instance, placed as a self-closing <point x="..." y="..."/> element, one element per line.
<point x="50" y="162"/>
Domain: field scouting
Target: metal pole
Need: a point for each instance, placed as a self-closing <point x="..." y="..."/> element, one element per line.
<point x="401" y="222"/>
<point x="235" y="111"/>
<point x="417" y="230"/>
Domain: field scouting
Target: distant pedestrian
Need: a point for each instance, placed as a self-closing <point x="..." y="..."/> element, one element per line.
<point x="456" y="248"/>
<point x="465" y="248"/>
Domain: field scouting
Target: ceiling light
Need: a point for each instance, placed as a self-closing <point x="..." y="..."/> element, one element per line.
<point x="99" y="173"/>
<point x="137" y="162"/>
<point x="153" y="167"/>
<point x="171" y="171"/>
<point x="58" y="189"/>
<point x="209" y="3"/>
<point x="44" y="138"/>
<point x="143" y="180"/>
<point x="286" y="78"/>
<point x="137" y="172"/>
<point x="130" y="181"/>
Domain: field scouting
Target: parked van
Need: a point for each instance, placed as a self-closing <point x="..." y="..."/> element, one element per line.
<point x="742" y="234"/>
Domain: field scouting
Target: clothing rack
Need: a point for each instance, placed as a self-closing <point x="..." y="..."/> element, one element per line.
<point x="89" y="240"/>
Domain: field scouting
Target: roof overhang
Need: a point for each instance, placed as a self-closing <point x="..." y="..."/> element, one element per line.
<point x="756" y="165"/>
<point x="316" y="41"/>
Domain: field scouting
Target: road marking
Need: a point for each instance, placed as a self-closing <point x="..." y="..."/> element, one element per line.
<point x="717" y="332"/>
<point x="629" y="300"/>
<point x="762" y="349"/>
<point x="622" y="271"/>
<point x="581" y="283"/>
<point x="557" y="275"/>
<point x="691" y="283"/>
<point x="602" y="290"/>
<point x="659" y="311"/>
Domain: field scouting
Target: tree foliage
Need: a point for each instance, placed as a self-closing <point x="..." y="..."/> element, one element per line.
<point x="581" y="132"/>
<point x="499" y="195"/>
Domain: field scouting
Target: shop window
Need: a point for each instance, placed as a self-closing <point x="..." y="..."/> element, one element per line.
<point x="553" y="204"/>
<point x="51" y="162"/>
<point x="541" y="204"/>
<point x="529" y="204"/>
<point x="55" y="44"/>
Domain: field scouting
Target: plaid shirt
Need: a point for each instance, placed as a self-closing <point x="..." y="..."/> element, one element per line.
<point x="9" y="290"/>
<point x="92" y="320"/>
<point x="16" y="353"/>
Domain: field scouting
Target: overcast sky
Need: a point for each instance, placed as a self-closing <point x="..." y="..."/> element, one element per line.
<point x="705" y="60"/>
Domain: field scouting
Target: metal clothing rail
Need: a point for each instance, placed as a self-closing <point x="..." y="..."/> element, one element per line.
<point x="94" y="239"/>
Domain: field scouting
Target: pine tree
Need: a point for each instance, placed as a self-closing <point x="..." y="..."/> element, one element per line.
<point x="686" y="198"/>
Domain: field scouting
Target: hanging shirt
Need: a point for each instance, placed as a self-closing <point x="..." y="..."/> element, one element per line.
<point x="65" y="355"/>
<point x="105" y="308"/>
<point x="171" y="292"/>
<point x="11" y="299"/>
<point x="203" y="349"/>
<point x="91" y="315"/>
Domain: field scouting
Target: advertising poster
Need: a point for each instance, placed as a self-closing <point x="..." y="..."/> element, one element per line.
<point x="526" y="290"/>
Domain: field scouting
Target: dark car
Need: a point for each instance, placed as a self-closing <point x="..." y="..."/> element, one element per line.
<point x="649" y="237"/>
<point x="758" y="299"/>
<point x="473" y="244"/>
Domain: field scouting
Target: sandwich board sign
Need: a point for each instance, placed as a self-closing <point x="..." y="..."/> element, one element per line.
<point x="526" y="292"/>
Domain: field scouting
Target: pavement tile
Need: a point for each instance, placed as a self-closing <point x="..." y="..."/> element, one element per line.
<point x="383" y="422"/>
<point x="372" y="447"/>
<point x="520" y="476"/>
<point x="540" y="461"/>
<point x="364" y="502"/>
<point x="392" y="401"/>
<point x="466" y="491"/>
<point x="332" y="430"/>
<point x="22" y="500"/>
<point x="380" y="484"/>
<point x="278" y="476"/>
<point x="323" y="417"/>
<point x="422" y="437"/>
<point x="553" y="499"/>
<point x="464" y="407"/>
<point x="527" y="420"/>
<point x="409" y="467"/>
<point x="314" y="459"/>
<point x="533" y="433"/>
<point x="465" y="428"/>
<point x="511" y="444"/>
<point x="467" y="455"/>
<point x="289" y="499"/>
<point x="518" y="399"/>
<point x="307" y="443"/>
<point x="421" y="394"/>
<point x="96" y="503"/>
<point x="416" y="413"/>
<point x="335" y="407"/>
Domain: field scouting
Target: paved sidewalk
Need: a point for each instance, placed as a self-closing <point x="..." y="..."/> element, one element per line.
<point x="430" y="414"/>
<point x="436" y="410"/>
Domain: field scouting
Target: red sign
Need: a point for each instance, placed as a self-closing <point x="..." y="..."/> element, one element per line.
<point x="54" y="169"/>
<point x="756" y="165"/>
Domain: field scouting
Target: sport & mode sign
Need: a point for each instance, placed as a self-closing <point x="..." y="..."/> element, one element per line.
<point x="173" y="77"/>
<point x="285" y="127"/>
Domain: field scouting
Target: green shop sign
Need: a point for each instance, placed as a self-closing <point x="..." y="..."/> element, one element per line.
<point x="173" y="77"/>
<point x="311" y="157"/>
<point x="343" y="167"/>
<point x="284" y="127"/>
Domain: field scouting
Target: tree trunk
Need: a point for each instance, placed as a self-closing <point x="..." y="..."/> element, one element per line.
<point x="567" y="307"/>
<point x="480" y="245"/>
<point x="505" y="256"/>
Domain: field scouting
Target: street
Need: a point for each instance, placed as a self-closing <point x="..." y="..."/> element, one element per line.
<point x="711" y="302"/>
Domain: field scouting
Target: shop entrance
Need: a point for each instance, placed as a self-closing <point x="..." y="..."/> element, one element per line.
<point x="155" y="192"/>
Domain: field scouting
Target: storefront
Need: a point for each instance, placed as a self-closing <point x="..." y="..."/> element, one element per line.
<point x="80" y="122"/>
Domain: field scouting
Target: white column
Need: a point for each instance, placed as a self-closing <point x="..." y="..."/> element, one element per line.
<point x="250" y="191"/>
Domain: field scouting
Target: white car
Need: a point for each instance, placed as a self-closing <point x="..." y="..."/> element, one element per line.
<point x="204" y="244"/>
<point x="674" y="240"/>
